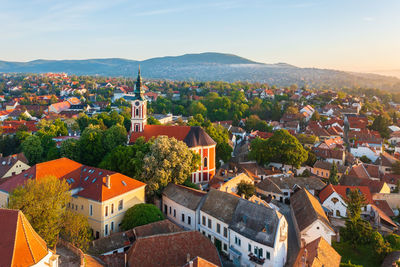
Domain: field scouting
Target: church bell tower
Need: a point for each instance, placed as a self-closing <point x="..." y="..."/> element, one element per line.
<point x="139" y="107"/>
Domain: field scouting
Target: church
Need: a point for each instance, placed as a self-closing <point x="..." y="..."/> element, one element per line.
<point x="195" y="137"/>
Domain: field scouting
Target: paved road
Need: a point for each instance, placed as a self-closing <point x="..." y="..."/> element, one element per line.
<point x="293" y="247"/>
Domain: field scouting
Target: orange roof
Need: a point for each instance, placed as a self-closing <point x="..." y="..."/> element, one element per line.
<point x="341" y="190"/>
<point x="179" y="132"/>
<point x="74" y="101"/>
<point x="20" y="245"/>
<point x="91" y="181"/>
<point x="61" y="106"/>
<point x="318" y="253"/>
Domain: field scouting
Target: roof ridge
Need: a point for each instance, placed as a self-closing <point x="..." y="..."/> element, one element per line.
<point x="15" y="239"/>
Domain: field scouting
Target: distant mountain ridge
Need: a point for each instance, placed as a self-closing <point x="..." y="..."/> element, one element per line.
<point x="206" y="67"/>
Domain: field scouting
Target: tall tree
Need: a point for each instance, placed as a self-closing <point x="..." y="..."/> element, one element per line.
<point x="169" y="160"/>
<point x="91" y="145"/>
<point x="115" y="136"/>
<point x="76" y="229"/>
<point x="333" y="175"/>
<point x="44" y="204"/>
<point x="245" y="188"/>
<point x="32" y="148"/>
<point x="281" y="147"/>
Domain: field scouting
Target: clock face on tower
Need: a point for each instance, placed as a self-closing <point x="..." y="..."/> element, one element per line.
<point x="137" y="103"/>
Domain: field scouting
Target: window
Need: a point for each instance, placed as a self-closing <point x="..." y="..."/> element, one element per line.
<point x="260" y="252"/>
<point x="205" y="162"/>
<point x="249" y="248"/>
<point x="338" y="213"/>
<point x="121" y="204"/>
<point x="204" y="233"/>
<point x="218" y="228"/>
<point x="204" y="220"/>
<point x="136" y="128"/>
<point x="76" y="207"/>
<point x="170" y="209"/>
<point x="256" y="251"/>
<point x="165" y="209"/>
<point x="106" y="229"/>
<point x="225" y="232"/>
<point x="112" y="208"/>
<point x="225" y="247"/>
<point x="209" y="223"/>
<point x="82" y="207"/>
<point x="237" y="241"/>
<point x="189" y="220"/>
<point x="137" y="112"/>
<point x="183" y="217"/>
<point x="175" y="213"/>
<point x="72" y="206"/>
<point x="112" y="226"/>
<point x="90" y="209"/>
<point x="268" y="255"/>
<point x="106" y="212"/>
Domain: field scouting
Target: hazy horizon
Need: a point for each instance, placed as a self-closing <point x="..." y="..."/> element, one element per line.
<point x="358" y="36"/>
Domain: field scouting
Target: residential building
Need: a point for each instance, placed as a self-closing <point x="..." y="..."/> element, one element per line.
<point x="229" y="182"/>
<point x="13" y="165"/>
<point x="258" y="236"/>
<point x="181" y="204"/>
<point x="20" y="245"/>
<point x="323" y="169"/>
<point x="330" y="155"/>
<point x="309" y="218"/>
<point x="333" y="197"/>
<point x="102" y="196"/>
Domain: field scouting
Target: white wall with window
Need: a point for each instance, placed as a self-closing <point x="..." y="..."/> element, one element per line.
<point x="179" y="214"/>
<point x="273" y="256"/>
<point x="216" y="230"/>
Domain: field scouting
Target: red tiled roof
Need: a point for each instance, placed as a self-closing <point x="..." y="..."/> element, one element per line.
<point x="318" y="253"/>
<point x="90" y="179"/>
<point x="61" y="106"/>
<point x="384" y="206"/>
<point x="171" y="250"/>
<point x="390" y="178"/>
<point x="341" y="190"/>
<point x="193" y="136"/>
<point x="20" y="245"/>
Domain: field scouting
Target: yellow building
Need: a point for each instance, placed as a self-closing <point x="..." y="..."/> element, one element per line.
<point x="101" y="195"/>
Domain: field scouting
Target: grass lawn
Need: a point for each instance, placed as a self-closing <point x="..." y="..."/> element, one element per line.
<point x="362" y="255"/>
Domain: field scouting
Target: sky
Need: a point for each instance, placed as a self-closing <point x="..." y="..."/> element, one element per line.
<point x="351" y="35"/>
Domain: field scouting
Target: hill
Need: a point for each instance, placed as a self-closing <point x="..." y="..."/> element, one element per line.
<point x="207" y="67"/>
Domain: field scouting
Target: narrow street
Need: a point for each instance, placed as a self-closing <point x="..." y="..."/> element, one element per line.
<point x="293" y="247"/>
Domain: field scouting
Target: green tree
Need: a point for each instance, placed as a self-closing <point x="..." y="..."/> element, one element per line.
<point x="141" y="214"/>
<point x="169" y="160"/>
<point x="70" y="149"/>
<point x="127" y="160"/>
<point x="316" y="116"/>
<point x="245" y="188"/>
<point x="44" y="204"/>
<point x="115" y="136"/>
<point x="76" y="230"/>
<point x="153" y="121"/>
<point x="381" y="247"/>
<point x="381" y="124"/>
<point x="91" y="146"/>
<point x="365" y="159"/>
<point x="33" y="150"/>
<point x="333" y="175"/>
<point x="281" y="147"/>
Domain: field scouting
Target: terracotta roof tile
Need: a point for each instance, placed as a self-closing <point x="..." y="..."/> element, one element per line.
<point x="318" y="253"/>
<point x="172" y="250"/>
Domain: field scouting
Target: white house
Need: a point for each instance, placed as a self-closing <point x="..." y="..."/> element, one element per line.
<point x="258" y="236"/>
<point x="181" y="205"/>
<point x="309" y="217"/>
<point x="333" y="198"/>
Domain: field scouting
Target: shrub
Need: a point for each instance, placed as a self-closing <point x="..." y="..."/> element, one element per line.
<point x="141" y="214"/>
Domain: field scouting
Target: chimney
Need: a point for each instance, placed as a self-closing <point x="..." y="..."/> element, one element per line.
<point x="243" y="196"/>
<point x="108" y="181"/>
<point x="188" y="257"/>
<point x="190" y="263"/>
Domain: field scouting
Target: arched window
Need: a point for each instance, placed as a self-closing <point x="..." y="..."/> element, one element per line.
<point x="136" y="128"/>
<point x="137" y="112"/>
<point x="338" y="213"/>
<point x="205" y="162"/>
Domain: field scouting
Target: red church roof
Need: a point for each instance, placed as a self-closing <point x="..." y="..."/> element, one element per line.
<point x="193" y="136"/>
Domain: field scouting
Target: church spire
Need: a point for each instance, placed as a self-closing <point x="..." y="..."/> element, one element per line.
<point x="139" y="91"/>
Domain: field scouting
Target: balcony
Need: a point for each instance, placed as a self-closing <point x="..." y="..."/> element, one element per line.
<point x="256" y="259"/>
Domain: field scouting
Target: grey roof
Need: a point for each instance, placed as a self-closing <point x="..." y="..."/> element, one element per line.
<point x="310" y="183"/>
<point x="268" y="186"/>
<point x="256" y="222"/>
<point x="307" y="209"/>
<point x="220" y="205"/>
<point x="198" y="137"/>
<point x="185" y="196"/>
